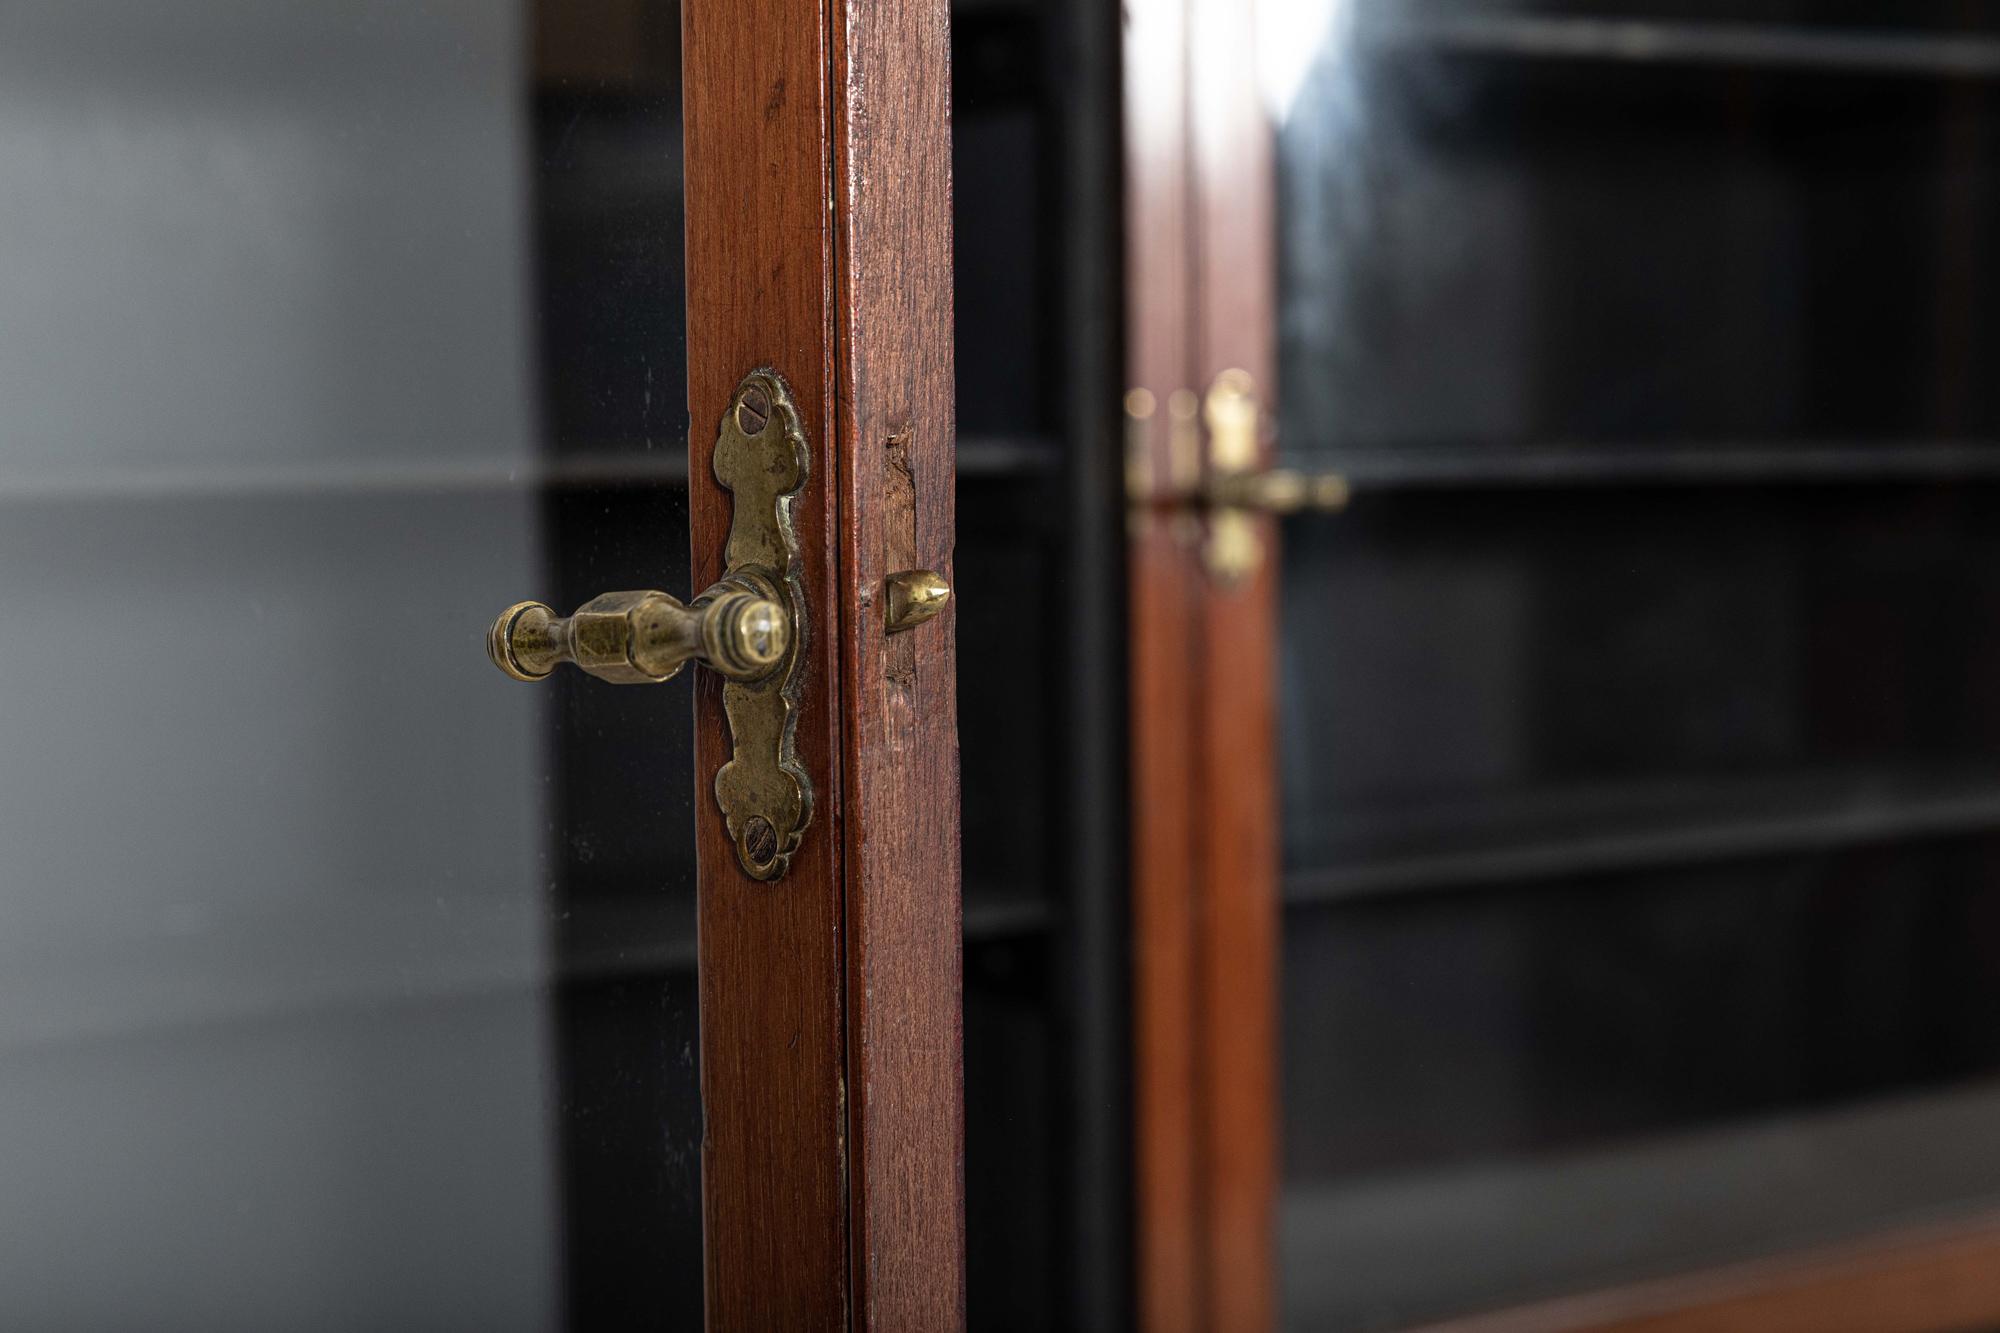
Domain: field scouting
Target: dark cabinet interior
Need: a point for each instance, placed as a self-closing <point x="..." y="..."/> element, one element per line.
<point x="1641" y="766"/>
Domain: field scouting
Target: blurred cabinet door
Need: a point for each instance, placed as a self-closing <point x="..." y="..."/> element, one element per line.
<point x="346" y="982"/>
<point x="1566" y="772"/>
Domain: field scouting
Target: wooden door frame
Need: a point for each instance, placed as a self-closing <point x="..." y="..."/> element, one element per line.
<point x="818" y="180"/>
<point x="1199" y="300"/>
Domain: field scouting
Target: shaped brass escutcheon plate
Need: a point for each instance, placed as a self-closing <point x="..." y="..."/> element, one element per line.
<point x="762" y="460"/>
<point x="749" y="627"/>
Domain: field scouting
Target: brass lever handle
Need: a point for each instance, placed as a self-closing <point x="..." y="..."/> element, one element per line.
<point x="736" y="628"/>
<point x="1233" y="476"/>
<point x="752" y="627"/>
<point x="1277" y="491"/>
<point x="1217" y="498"/>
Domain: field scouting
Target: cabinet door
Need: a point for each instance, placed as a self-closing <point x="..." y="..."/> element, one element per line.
<point x="346" y="981"/>
<point x="1601" y="810"/>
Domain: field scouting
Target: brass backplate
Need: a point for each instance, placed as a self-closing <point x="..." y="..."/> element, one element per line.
<point x="761" y="458"/>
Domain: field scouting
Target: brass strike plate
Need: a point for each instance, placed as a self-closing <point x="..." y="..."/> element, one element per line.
<point x="762" y="460"/>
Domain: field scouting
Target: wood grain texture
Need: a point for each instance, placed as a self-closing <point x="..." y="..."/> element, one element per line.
<point x="1937" y="1279"/>
<point x="894" y="380"/>
<point x="773" y="1043"/>
<point x="829" y="1001"/>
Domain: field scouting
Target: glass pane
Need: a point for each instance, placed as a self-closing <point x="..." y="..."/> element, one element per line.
<point x="1042" y="1226"/>
<point x="1571" y="235"/>
<point x="343" y="982"/>
<point x="1641" y="737"/>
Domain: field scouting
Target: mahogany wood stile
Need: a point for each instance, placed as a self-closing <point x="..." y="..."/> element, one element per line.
<point x="818" y="238"/>
<point x="1165" y="586"/>
<point x="1205" y="896"/>
<point x="1235" y="325"/>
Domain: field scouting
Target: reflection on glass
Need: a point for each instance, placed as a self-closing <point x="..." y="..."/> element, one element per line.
<point x="338" y="989"/>
<point x="1642" y="770"/>
<point x="1589" y="244"/>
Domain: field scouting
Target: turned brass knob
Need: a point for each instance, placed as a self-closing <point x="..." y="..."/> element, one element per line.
<point x="736" y="628"/>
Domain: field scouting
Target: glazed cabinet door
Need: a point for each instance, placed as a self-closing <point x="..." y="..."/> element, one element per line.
<point x="347" y="981"/>
<point x="1566" y="463"/>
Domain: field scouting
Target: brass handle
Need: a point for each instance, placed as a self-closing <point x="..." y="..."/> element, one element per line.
<point x="736" y="628"/>
<point x="1277" y="490"/>
<point x="1232" y="476"/>
<point x="753" y="628"/>
<point x="1232" y="486"/>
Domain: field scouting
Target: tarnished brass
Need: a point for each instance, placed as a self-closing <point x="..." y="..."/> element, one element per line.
<point x="1280" y="490"/>
<point x="1233" y="488"/>
<point x="749" y="627"/>
<point x="761" y="457"/>
<point x="643" y="638"/>
<point x="915" y="595"/>
<point x="1234" y="419"/>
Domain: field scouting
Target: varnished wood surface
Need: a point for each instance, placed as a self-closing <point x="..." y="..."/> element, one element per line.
<point x="1205" y="836"/>
<point x="1169" y="1235"/>
<point x="1239" y="929"/>
<point x="829" y="1001"/>
<point x="894" y="383"/>
<point x="1939" y="1279"/>
<point x="1235" y="262"/>
<point x="773" y="1042"/>
<point x="1164" y="593"/>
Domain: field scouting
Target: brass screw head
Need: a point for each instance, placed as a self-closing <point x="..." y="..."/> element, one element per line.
<point x="753" y="411"/>
<point x="760" y="841"/>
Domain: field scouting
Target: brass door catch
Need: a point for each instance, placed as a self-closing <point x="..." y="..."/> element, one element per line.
<point x="1225" y="483"/>
<point x="749" y="627"/>
<point x="915" y="595"/>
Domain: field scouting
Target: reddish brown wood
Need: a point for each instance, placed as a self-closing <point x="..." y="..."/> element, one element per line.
<point x="829" y="1001"/>
<point x="1205" y="804"/>
<point x="1235" y="267"/>
<point x="1239" y="934"/>
<point x="894" y="382"/>
<point x="773" y="1041"/>
<point x="1169" y="1238"/>
<point x="1164" y="592"/>
<point x="1932" y="1280"/>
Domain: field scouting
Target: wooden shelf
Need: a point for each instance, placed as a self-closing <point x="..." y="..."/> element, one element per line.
<point x="996" y="456"/>
<point x="344" y="479"/>
<point x="1636" y="41"/>
<point x="1668" y="462"/>
<point x="337" y="968"/>
<point x="1556" y="833"/>
<point x="1455" y="1240"/>
<point x="990" y="915"/>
